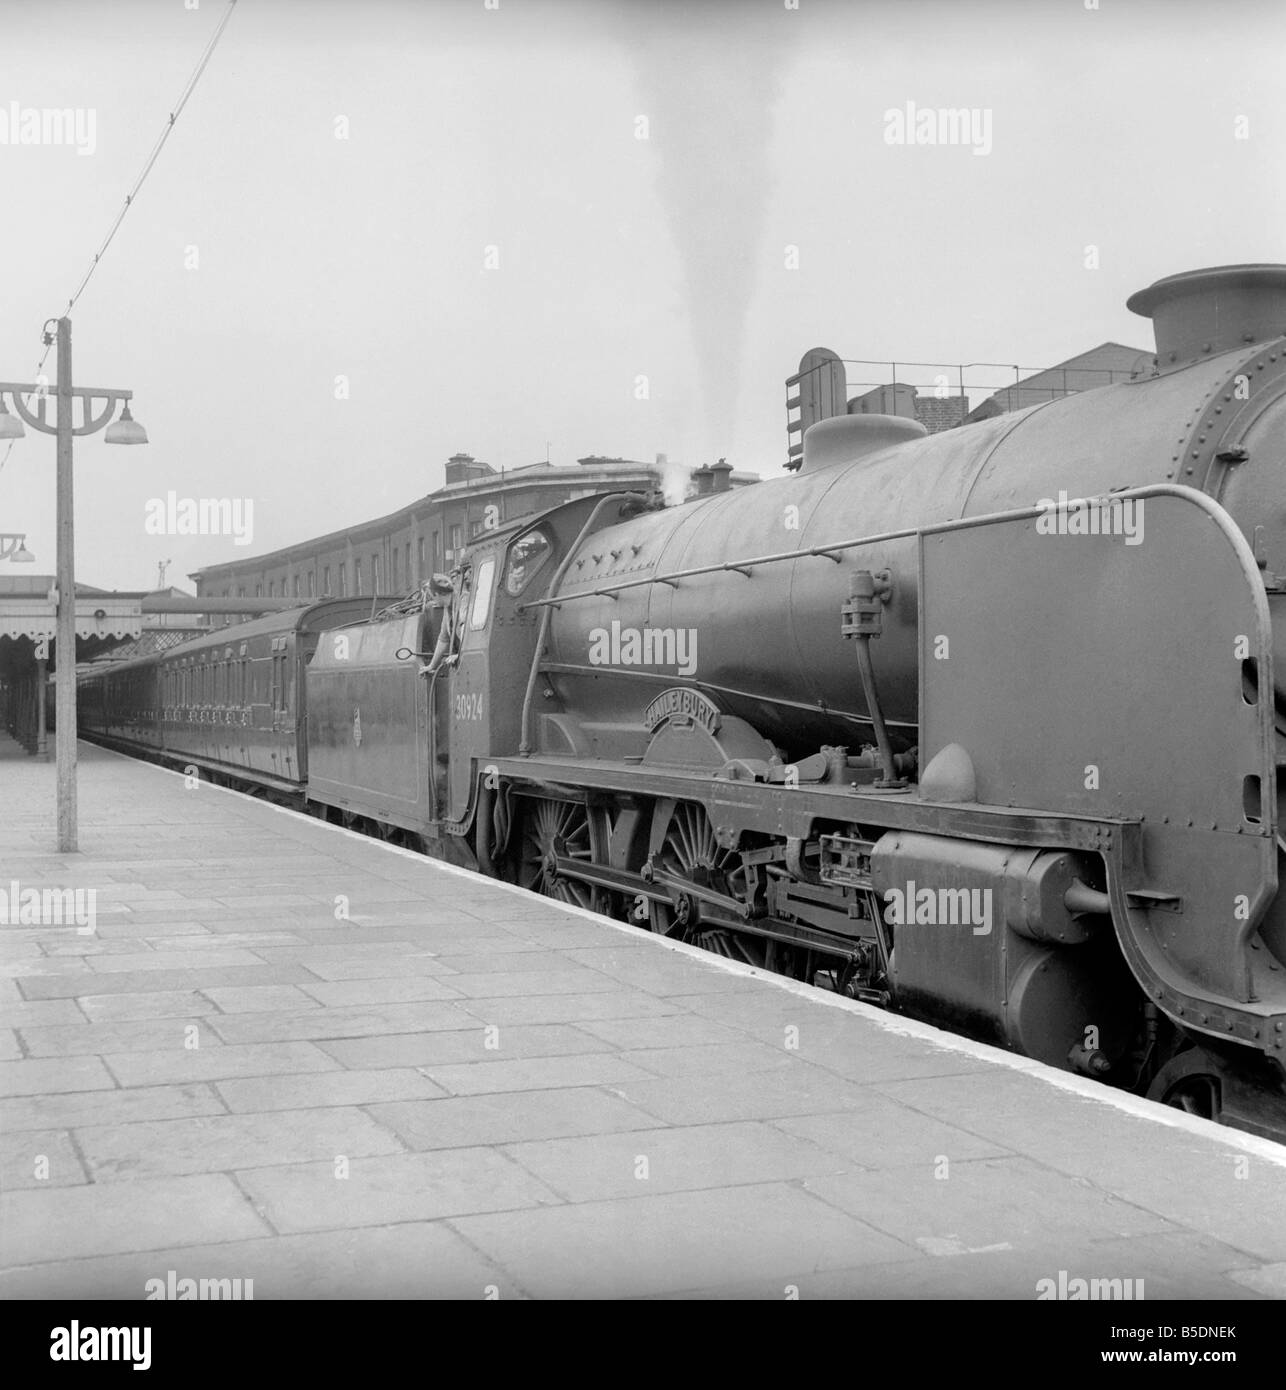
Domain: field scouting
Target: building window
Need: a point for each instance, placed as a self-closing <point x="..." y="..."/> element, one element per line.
<point x="312" y="579"/>
<point x="375" y="574"/>
<point x="454" y="538"/>
<point x="408" y="564"/>
<point x="343" y="580"/>
<point x="271" y="589"/>
<point x="357" y="576"/>
<point x="326" y="581"/>
<point x="394" y="562"/>
<point x="419" y="556"/>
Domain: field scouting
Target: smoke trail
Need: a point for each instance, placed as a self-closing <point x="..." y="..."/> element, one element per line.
<point x="707" y="78"/>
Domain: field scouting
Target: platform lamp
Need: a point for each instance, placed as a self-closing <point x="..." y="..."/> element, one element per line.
<point x="126" y="430"/>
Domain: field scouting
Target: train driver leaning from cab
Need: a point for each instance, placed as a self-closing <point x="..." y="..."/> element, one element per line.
<point x="442" y="595"/>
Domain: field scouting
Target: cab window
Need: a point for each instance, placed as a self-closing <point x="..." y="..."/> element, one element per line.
<point x="482" y="594"/>
<point x="526" y="557"/>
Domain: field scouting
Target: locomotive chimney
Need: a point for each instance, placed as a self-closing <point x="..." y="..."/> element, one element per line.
<point x="1203" y="312"/>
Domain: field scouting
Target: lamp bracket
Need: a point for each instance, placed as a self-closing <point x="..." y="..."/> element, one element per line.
<point x="43" y="393"/>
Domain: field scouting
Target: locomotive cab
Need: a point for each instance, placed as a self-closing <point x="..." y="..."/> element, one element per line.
<point x="490" y="684"/>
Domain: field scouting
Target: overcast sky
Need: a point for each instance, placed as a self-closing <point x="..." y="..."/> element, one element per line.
<point x="1153" y="132"/>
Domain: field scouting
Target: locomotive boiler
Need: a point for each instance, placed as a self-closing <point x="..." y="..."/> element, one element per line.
<point x="766" y="633"/>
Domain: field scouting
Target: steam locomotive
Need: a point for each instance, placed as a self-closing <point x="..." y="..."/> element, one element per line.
<point x="983" y="726"/>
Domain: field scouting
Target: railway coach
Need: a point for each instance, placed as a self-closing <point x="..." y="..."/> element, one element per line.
<point x="230" y="703"/>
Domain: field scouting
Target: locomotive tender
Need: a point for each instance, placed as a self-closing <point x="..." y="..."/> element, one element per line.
<point x="985" y="726"/>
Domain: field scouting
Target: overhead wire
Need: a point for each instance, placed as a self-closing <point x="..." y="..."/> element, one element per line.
<point x="188" y="88"/>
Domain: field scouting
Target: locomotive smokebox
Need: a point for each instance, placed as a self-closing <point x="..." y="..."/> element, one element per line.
<point x="1203" y="312"/>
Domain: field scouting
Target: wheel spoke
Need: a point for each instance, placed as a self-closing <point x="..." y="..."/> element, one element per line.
<point x="562" y="829"/>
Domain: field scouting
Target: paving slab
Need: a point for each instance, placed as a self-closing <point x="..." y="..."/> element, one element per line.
<point x="479" y="1043"/>
<point x="226" y="1143"/>
<point x="71" y="1110"/>
<point x="383" y="1191"/>
<point x="318" y="1089"/>
<point x="215" y="1063"/>
<point x="413" y="1260"/>
<point x="38" y="1077"/>
<point x="639" y="1246"/>
<point x="107" y="1218"/>
<point x="39" y="1158"/>
<point x="536" y="1073"/>
<point x="507" y="1116"/>
<point x="160" y="1035"/>
<point x="456" y="1089"/>
<point x="699" y="1157"/>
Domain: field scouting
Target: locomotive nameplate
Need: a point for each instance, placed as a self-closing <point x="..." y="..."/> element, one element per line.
<point x="679" y="701"/>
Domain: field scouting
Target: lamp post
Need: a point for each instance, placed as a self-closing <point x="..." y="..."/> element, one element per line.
<point x="123" y="431"/>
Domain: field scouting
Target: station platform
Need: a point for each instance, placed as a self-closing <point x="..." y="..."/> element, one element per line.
<point x="289" y="1054"/>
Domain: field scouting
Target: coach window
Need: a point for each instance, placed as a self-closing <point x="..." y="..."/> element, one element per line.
<point x="482" y="594"/>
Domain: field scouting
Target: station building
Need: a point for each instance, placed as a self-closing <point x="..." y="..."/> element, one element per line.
<point x="393" y="553"/>
<point x="943" y="396"/>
